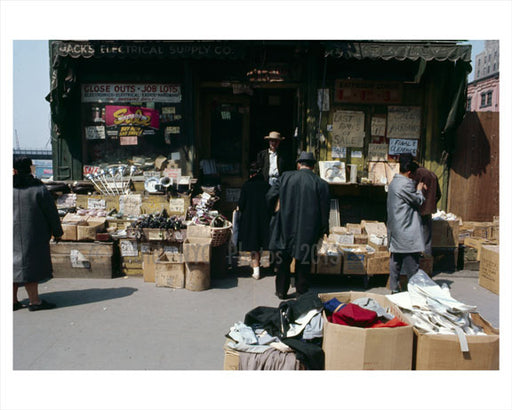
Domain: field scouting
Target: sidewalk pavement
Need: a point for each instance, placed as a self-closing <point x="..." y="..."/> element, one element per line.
<point x="128" y="324"/>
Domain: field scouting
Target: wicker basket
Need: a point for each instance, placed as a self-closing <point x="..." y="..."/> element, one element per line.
<point x="220" y="235"/>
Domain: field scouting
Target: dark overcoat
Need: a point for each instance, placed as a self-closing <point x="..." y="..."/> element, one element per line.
<point x="255" y="217"/>
<point x="35" y="220"/>
<point x="283" y="162"/>
<point x="303" y="215"/>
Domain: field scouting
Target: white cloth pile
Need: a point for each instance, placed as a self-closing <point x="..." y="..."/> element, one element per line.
<point x="443" y="216"/>
<point x="431" y="309"/>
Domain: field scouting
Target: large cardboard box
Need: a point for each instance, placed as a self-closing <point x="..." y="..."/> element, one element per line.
<point x="445" y="234"/>
<point x="69" y="230"/>
<point x="354" y="259"/>
<point x="355" y="348"/>
<point x="88" y="232"/>
<point x="442" y="352"/>
<point x="329" y="263"/>
<point x="82" y="260"/>
<point x="170" y="270"/>
<point x="377" y="263"/>
<point x="489" y="275"/>
<point x="231" y="357"/>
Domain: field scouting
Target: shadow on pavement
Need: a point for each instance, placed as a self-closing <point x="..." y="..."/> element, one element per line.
<point x="80" y="297"/>
<point x="440" y="282"/>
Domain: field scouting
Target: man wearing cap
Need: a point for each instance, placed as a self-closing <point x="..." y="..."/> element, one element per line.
<point x="405" y="235"/>
<point x="272" y="161"/>
<point x="302" y="217"/>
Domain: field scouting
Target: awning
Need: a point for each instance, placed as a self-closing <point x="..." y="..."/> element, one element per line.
<point x="399" y="50"/>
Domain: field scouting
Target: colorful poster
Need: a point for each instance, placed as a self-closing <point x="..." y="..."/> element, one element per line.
<point x="131" y="122"/>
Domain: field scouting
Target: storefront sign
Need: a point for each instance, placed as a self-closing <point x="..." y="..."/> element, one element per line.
<point x="404" y="122"/>
<point x="124" y="92"/>
<point x="377" y="152"/>
<point x="95" y="132"/>
<point x="127" y="115"/>
<point x="95" y="203"/>
<point x="130" y="204"/>
<point x="403" y="146"/>
<point x="348" y="128"/>
<point x="368" y="92"/>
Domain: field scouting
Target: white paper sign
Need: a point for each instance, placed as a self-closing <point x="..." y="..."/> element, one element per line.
<point x="78" y="260"/>
<point x="131" y="92"/>
<point x="404" y="122"/>
<point x="348" y="128"/>
<point x="177" y="205"/>
<point x="130" y="204"/>
<point x="95" y="132"/>
<point x="338" y="152"/>
<point x="377" y="152"/>
<point x="378" y="126"/>
<point x="403" y="146"/>
<point x="66" y="201"/>
<point x="357" y="154"/>
<point x="128" y="248"/>
<point x="94" y="203"/>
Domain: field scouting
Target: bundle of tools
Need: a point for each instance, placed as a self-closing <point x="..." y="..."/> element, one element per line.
<point x="113" y="180"/>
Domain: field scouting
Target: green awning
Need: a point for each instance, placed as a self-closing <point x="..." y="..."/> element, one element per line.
<point x="399" y="50"/>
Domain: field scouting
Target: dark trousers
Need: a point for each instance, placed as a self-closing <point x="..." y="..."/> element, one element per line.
<point x="408" y="262"/>
<point x="426" y="224"/>
<point x="284" y="259"/>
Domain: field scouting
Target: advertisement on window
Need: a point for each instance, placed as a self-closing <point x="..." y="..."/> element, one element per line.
<point x="129" y="121"/>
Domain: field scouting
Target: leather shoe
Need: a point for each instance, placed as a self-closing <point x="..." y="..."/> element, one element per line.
<point x="44" y="305"/>
<point x="280" y="295"/>
<point x="18" y="306"/>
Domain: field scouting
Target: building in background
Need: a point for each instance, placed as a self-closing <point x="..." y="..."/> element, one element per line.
<point x="483" y="91"/>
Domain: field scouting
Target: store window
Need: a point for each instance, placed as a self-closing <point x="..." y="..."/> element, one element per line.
<point x="121" y="122"/>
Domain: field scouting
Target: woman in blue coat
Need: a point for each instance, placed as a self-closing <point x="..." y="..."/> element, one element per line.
<point x="35" y="221"/>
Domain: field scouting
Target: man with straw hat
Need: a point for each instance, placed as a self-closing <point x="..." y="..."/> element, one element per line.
<point x="272" y="161"/>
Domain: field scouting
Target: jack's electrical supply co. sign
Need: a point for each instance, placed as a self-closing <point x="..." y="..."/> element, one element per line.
<point x="128" y="93"/>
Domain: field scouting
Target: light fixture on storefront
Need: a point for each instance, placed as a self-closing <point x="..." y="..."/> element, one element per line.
<point x="265" y="76"/>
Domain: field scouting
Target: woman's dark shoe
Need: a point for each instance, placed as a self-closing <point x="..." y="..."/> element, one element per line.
<point x="44" y="305"/>
<point x="18" y="306"/>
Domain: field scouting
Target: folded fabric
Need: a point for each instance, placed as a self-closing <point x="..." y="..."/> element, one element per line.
<point x="354" y="315"/>
<point x="395" y="322"/>
<point x="333" y="305"/>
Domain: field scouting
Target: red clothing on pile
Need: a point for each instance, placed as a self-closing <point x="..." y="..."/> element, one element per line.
<point x="354" y="315"/>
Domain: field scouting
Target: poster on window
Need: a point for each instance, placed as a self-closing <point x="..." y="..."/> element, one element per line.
<point x="378" y="128"/>
<point x="348" y="128"/>
<point x="377" y="152"/>
<point x="404" y="122"/>
<point x="130" y="122"/>
<point x="131" y="93"/>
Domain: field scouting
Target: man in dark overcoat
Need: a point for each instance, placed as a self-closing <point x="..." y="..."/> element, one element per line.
<point x="302" y="218"/>
<point x="273" y="161"/>
<point x="35" y="220"/>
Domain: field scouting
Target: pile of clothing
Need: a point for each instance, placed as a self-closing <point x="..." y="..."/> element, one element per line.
<point x="432" y="309"/>
<point x="288" y="337"/>
<point x="364" y="312"/>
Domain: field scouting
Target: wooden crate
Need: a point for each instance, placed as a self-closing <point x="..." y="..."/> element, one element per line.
<point x="83" y="259"/>
<point x="445" y="234"/>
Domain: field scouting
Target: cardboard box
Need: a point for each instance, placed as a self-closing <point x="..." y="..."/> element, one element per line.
<point x="442" y="352"/>
<point x="445" y="234"/>
<point x="88" y="232"/>
<point x="197" y="250"/>
<point x="360" y="239"/>
<point x="375" y="228"/>
<point x="329" y="264"/>
<point x="377" y="263"/>
<point x="489" y="274"/>
<point x="355" y="348"/>
<point x="231" y="358"/>
<point x="354" y="259"/>
<point x="170" y="270"/>
<point x="198" y="231"/>
<point x="482" y="229"/>
<point x="149" y="262"/>
<point x="69" y="232"/>
<point x="83" y="260"/>
<point x="354" y="228"/>
<point x="477" y="243"/>
<point x="197" y="276"/>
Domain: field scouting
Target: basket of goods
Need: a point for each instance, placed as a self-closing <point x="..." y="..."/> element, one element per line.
<point x="221" y="230"/>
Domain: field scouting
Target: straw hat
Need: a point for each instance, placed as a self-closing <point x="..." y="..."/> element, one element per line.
<point x="274" y="135"/>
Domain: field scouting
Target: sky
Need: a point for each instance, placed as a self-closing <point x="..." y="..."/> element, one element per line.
<point x="31" y="82"/>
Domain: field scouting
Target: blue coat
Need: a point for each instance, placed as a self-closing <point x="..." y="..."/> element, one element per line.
<point x="405" y="234"/>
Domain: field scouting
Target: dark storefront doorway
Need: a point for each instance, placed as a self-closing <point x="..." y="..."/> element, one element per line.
<point x="272" y="109"/>
<point x="233" y="128"/>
